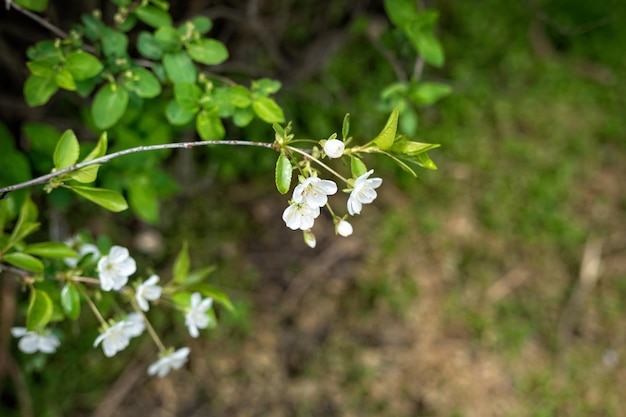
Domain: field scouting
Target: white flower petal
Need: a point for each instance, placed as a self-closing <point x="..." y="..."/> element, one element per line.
<point x="344" y="228"/>
<point x="334" y="148"/>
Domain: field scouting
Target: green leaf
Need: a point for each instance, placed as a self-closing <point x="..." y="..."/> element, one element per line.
<point x="209" y="126"/>
<point x="207" y="51"/>
<point x="428" y="47"/>
<point x="50" y="250"/>
<point x="109" y="199"/>
<point x="265" y="86"/>
<point x="38" y="90"/>
<point x="100" y="149"/>
<point x="94" y="28"/>
<point x="153" y="16"/>
<point x="65" y="80"/>
<point x="39" y="311"/>
<point x="267" y="109"/>
<point x="142" y="82"/>
<point x="82" y="65"/>
<point x="34" y="5"/>
<point x="114" y="43"/>
<point x="357" y="167"/>
<point x="181" y="265"/>
<point x="109" y="105"/>
<point x="345" y="127"/>
<point x="176" y="115"/>
<point x="143" y="200"/>
<point x="410" y="148"/>
<point x="148" y="46"/>
<point x="239" y="96"/>
<point x="385" y="138"/>
<point x="188" y="96"/>
<point x="43" y="67"/>
<point x="283" y="174"/>
<point x="86" y="175"/>
<point x="401" y="12"/>
<point x="425" y="94"/>
<point x="23" y="261"/>
<point x="243" y="117"/>
<point x="67" y="150"/>
<point x="202" y="24"/>
<point x="424" y="160"/>
<point x="70" y="301"/>
<point x="194" y="277"/>
<point x="168" y="39"/>
<point x="179" y="67"/>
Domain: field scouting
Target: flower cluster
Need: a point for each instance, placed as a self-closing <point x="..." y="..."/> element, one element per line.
<point x="308" y="197"/>
<point x="114" y="271"/>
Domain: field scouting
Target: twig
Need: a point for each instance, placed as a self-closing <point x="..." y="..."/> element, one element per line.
<point x="43" y="22"/>
<point x="104" y="159"/>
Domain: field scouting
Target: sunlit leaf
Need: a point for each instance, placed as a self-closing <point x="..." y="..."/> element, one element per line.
<point x="39" y="311"/>
<point x="109" y="105"/>
<point x="67" y="150"/>
<point x="385" y="138"/>
<point x="50" y="250"/>
<point x="70" y="301"/>
<point x="23" y="261"/>
<point x="207" y="51"/>
<point x="82" y="65"/>
<point x="38" y="90"/>
<point x="109" y="199"/>
<point x="181" y="265"/>
<point x="179" y="67"/>
<point x="153" y="16"/>
<point x="283" y="174"/>
<point x="267" y="109"/>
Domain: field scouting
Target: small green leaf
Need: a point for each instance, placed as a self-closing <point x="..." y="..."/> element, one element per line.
<point x="109" y="199"/>
<point x="143" y="199"/>
<point x="207" y="51"/>
<point x="82" y="65"/>
<point x="425" y="94"/>
<point x="267" y="109"/>
<point x="209" y="126"/>
<point x="148" y="46"/>
<point x="114" y="42"/>
<point x="50" y="250"/>
<point x="34" y="5"/>
<point x="70" y="301"/>
<point x="67" y="150"/>
<point x="109" y="105"/>
<point x="410" y="148"/>
<point x="167" y="39"/>
<point x="239" y="96"/>
<point x="424" y="160"/>
<point x="265" y="86"/>
<point x="283" y="174"/>
<point x="38" y="90"/>
<point x="40" y="310"/>
<point x="386" y="137"/>
<point x="243" y="117"/>
<point x="188" y="96"/>
<point x="357" y="167"/>
<point x="216" y="294"/>
<point x="179" y="67"/>
<point x="202" y="24"/>
<point x="94" y="28"/>
<point x="153" y="16"/>
<point x="23" y="261"/>
<point x="176" y="115"/>
<point x="142" y="82"/>
<point x="65" y="80"/>
<point x="86" y="175"/>
<point x="43" y="67"/>
<point x="194" y="277"/>
<point x="181" y="265"/>
<point x="345" y="127"/>
<point x="100" y="149"/>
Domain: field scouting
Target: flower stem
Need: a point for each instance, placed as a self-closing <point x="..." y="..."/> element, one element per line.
<point x="153" y="333"/>
<point x="306" y="155"/>
<point x="92" y="305"/>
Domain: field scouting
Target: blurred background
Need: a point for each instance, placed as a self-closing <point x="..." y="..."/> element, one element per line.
<point x="495" y="286"/>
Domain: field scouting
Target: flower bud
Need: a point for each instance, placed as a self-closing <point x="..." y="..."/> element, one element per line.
<point x="309" y="238"/>
<point x="334" y="148"/>
<point x="343" y="228"/>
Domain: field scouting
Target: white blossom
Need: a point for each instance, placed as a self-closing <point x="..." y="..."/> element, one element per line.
<point x="31" y="342"/>
<point x="148" y="290"/>
<point x="196" y="317"/>
<point x="334" y="148"/>
<point x="344" y="228"/>
<point x="300" y="216"/>
<point x="314" y="191"/>
<point x="363" y="192"/>
<point x="114" y="338"/>
<point x="115" y="268"/>
<point x="83" y="250"/>
<point x="135" y="325"/>
<point x="165" y="364"/>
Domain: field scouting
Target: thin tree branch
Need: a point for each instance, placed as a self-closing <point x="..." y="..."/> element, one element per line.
<point x="106" y="158"/>
<point x="43" y="22"/>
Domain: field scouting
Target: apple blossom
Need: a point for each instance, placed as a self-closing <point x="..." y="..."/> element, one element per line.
<point x="31" y="342"/>
<point x="363" y="192"/>
<point x="115" y="268"/>
<point x="83" y="250"/>
<point x="165" y="364"/>
<point x="300" y="216"/>
<point x="114" y="338"/>
<point x="135" y="325"/>
<point x="314" y="191"/>
<point x="148" y="290"/>
<point x="196" y="317"/>
<point x="334" y="148"/>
